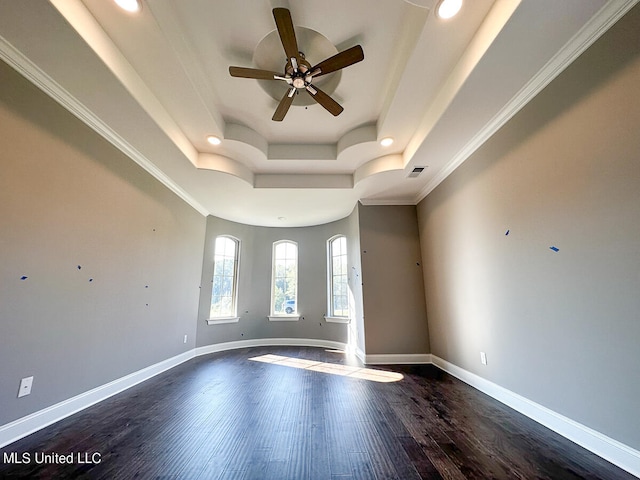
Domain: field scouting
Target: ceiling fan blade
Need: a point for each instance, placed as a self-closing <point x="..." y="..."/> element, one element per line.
<point x="243" y="72"/>
<point x="283" y="106"/>
<point x="333" y="107"/>
<point x="287" y="34"/>
<point x="339" y="61"/>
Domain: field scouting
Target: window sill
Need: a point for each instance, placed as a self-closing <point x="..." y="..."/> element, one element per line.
<point x="337" y="319"/>
<point x="283" y="318"/>
<point x="222" y="320"/>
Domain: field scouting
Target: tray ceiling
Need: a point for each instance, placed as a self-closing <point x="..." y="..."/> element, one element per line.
<point x="156" y="84"/>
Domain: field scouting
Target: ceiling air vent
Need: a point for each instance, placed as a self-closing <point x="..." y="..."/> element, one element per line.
<point x="416" y="171"/>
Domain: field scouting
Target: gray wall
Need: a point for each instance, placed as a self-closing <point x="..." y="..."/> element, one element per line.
<point x="560" y="328"/>
<point x="68" y="198"/>
<point x="393" y="290"/>
<point x="254" y="288"/>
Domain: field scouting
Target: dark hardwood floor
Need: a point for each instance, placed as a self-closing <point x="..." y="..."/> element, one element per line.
<point x="225" y="416"/>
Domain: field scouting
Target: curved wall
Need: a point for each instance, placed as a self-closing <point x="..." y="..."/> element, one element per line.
<point x="254" y="283"/>
<point x="99" y="262"/>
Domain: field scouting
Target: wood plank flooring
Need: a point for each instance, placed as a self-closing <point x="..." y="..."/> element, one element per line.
<point x="225" y="416"/>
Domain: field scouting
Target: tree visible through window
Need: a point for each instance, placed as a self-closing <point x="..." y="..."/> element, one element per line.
<point x="338" y="286"/>
<point x="284" y="291"/>
<point x="225" y="275"/>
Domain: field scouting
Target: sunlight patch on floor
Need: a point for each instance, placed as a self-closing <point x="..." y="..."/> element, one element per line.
<point x="332" y="368"/>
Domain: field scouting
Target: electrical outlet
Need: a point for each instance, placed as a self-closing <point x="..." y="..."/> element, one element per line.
<point x="185" y="339"/>
<point x="483" y="358"/>
<point x="25" y="386"/>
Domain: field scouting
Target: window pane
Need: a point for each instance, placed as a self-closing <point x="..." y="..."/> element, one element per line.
<point x="220" y="244"/>
<point x="279" y="303"/>
<point x="336" y="263"/>
<point x="343" y="245"/>
<point x="218" y="266"/>
<point x="279" y="270"/>
<point x="217" y="286"/>
<point x="227" y="286"/>
<point x="230" y="248"/>
<point x="337" y="309"/>
<point x="225" y="305"/>
<point x="229" y="264"/>
<point x="337" y="247"/>
<point x="340" y="306"/>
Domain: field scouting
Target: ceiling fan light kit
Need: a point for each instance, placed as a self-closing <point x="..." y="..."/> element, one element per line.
<point x="299" y="74"/>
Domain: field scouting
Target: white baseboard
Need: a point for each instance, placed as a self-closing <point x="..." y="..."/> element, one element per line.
<point x="270" y="342"/>
<point x="24" y="426"/>
<point x="397" y="359"/>
<point x="611" y="450"/>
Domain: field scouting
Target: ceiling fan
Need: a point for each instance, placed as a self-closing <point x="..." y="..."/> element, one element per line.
<point x="298" y="72"/>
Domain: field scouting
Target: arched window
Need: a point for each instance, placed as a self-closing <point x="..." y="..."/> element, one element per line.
<point x="225" y="277"/>
<point x="338" y="293"/>
<point x="284" y="284"/>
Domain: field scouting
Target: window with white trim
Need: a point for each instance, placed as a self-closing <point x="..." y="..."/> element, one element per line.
<point x="284" y="284"/>
<point x="225" y="277"/>
<point x="338" y="293"/>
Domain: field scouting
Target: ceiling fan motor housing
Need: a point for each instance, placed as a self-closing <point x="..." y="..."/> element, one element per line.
<point x="300" y="76"/>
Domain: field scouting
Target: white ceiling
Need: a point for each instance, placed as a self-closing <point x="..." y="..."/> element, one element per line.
<point x="156" y="83"/>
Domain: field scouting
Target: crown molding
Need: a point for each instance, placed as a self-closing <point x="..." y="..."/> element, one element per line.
<point x="606" y="17"/>
<point x="40" y="79"/>
<point x="386" y="201"/>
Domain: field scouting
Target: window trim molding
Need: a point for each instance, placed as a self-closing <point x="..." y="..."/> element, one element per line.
<point x="279" y="317"/>
<point x="236" y="283"/>
<point x="222" y="320"/>
<point x="283" y="318"/>
<point x="330" y="317"/>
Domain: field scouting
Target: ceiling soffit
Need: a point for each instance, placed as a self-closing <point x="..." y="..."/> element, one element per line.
<point x="424" y="105"/>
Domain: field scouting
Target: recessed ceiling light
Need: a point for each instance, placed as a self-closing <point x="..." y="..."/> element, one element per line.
<point x="129" y="5"/>
<point x="132" y="6"/>
<point x="386" y="141"/>
<point x="448" y="8"/>
<point x="213" y="140"/>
